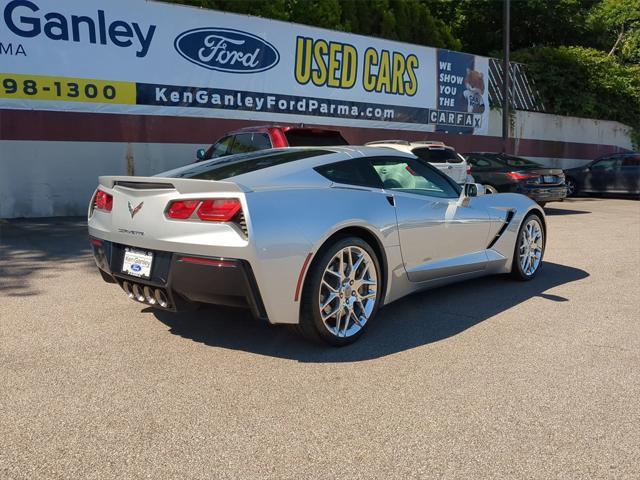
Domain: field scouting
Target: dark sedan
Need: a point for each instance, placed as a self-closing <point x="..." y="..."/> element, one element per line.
<point x="505" y="173"/>
<point x="616" y="174"/>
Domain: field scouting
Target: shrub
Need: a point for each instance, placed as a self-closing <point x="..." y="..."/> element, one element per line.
<point x="584" y="82"/>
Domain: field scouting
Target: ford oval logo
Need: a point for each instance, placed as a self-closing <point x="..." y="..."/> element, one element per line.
<point x="227" y="50"/>
<point x="135" y="267"/>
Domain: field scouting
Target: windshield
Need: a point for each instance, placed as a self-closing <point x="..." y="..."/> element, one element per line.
<point x="240" y="164"/>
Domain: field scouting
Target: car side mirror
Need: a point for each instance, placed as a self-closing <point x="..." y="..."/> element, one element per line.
<point x="473" y="190"/>
<point x="200" y="153"/>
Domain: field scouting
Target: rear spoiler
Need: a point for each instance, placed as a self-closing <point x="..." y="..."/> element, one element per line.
<point x="182" y="185"/>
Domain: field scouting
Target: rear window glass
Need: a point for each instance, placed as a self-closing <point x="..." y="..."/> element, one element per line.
<point x="235" y="165"/>
<point x="310" y="138"/>
<point x="437" y="155"/>
<point x="511" y="161"/>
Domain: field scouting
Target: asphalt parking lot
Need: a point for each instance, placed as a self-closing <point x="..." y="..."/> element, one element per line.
<point x="487" y="379"/>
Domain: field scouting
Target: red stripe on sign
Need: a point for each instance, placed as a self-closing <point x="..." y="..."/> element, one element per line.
<point x="108" y="127"/>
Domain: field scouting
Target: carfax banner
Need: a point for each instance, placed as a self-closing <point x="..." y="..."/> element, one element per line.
<point x="142" y="57"/>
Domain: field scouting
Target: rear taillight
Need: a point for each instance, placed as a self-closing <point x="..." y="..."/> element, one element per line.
<point x="519" y="177"/>
<point x="219" y="209"/>
<point x="182" y="209"/>
<point x="468" y="170"/>
<point x="208" y="210"/>
<point x="103" y="201"/>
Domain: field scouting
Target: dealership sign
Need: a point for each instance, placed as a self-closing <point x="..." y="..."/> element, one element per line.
<point x="141" y="57"/>
<point x="227" y="50"/>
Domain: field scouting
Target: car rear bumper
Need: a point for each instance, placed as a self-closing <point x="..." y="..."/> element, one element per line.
<point x="182" y="281"/>
<point x="541" y="193"/>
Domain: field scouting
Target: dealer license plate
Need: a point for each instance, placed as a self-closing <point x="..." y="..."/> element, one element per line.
<point x="137" y="263"/>
<point x="549" y="179"/>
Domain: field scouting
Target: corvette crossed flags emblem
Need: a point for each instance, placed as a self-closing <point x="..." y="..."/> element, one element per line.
<point x="132" y="210"/>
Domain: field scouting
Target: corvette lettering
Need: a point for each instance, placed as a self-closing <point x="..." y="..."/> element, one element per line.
<point x="25" y="19"/>
<point x="227" y="50"/>
<point x="130" y="232"/>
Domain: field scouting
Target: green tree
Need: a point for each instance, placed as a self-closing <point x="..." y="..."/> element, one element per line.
<point x="478" y="24"/>
<point x="275" y="9"/>
<point x="618" y="22"/>
<point x="403" y="20"/>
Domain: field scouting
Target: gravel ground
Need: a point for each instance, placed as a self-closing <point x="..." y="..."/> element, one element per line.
<point x="487" y="379"/>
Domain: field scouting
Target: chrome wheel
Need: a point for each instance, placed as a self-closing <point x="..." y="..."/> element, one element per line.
<point x="571" y="187"/>
<point x="531" y="247"/>
<point x="348" y="291"/>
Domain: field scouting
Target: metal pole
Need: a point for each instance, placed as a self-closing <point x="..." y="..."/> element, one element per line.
<point x="506" y="87"/>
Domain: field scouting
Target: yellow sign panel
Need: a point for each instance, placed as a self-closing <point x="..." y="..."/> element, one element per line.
<point x="65" y="89"/>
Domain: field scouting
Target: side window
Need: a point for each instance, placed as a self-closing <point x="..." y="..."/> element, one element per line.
<point x="407" y="175"/>
<point x="478" y="162"/>
<point x="250" y="142"/>
<point x="220" y="148"/>
<point x="606" y="163"/>
<point x="631" y="161"/>
<point x="351" y="172"/>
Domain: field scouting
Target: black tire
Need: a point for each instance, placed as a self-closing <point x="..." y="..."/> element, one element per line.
<point x="572" y="188"/>
<point x="311" y="325"/>
<point x="516" y="269"/>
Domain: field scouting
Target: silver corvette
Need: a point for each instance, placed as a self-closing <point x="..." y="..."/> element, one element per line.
<point x="315" y="237"/>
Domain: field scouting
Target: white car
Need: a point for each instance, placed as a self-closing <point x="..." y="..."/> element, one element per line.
<point x="441" y="156"/>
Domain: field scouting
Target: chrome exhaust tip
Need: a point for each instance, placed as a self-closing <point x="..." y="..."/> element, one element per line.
<point x="126" y="286"/>
<point x="148" y="296"/>
<point x="138" y="293"/>
<point x="161" y="298"/>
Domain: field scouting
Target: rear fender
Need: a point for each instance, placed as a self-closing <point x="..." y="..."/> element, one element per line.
<point x="289" y="225"/>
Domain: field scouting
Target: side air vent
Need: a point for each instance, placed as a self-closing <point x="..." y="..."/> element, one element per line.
<point x="144" y="185"/>
<point x="507" y="221"/>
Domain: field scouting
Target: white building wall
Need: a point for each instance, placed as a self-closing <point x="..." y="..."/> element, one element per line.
<point x="41" y="179"/>
<point x="558" y="128"/>
<point x="58" y="178"/>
